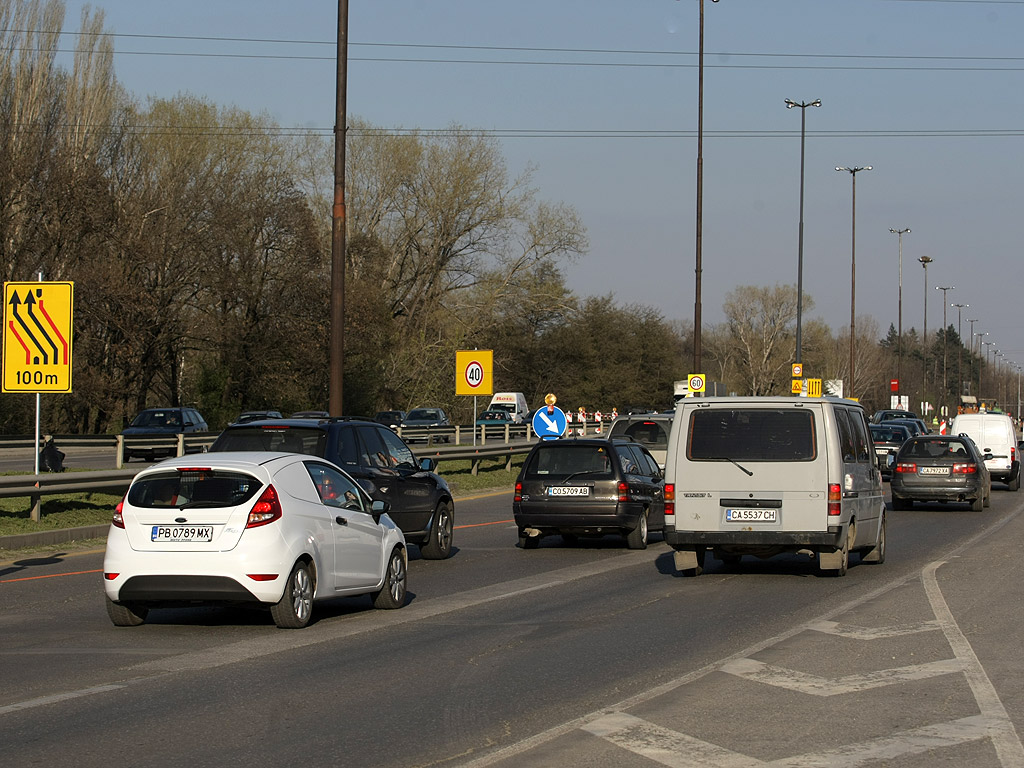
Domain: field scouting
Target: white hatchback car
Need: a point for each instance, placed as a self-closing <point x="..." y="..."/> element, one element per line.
<point x="279" y="530"/>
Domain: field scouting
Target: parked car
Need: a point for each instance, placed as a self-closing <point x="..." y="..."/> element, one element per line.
<point x="996" y="440"/>
<point x="160" y="422"/>
<point x="888" y="437"/>
<point x="762" y="476"/>
<point x="943" y="468"/>
<point x="420" y="501"/>
<point x="390" y="419"/>
<point x="246" y="416"/>
<point x="272" y="530"/>
<point x="892" y="413"/>
<point x="650" y="430"/>
<point x="427" y="418"/>
<point x="588" y="487"/>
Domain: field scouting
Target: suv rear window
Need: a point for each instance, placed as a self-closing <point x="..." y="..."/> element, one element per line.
<point x="751" y="434"/>
<point x="193" y="488"/>
<point x="289" y="439"/>
<point x="562" y="460"/>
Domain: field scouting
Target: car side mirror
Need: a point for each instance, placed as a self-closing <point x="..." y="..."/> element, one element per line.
<point x="378" y="508"/>
<point x="428" y="464"/>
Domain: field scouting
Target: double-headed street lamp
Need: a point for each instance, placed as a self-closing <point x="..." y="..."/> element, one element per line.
<point x="700" y="192"/>
<point x="925" y="261"/>
<point x="899" y="315"/>
<point x="853" y="267"/>
<point x="959" y="349"/>
<point x="800" y="237"/>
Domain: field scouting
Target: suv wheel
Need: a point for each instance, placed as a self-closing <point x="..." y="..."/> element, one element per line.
<point x="438" y="545"/>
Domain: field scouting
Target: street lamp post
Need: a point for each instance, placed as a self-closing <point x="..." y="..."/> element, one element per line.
<point x="899" y="315"/>
<point x="981" y="352"/>
<point x="944" y="289"/>
<point x="700" y="193"/>
<point x="853" y="267"/>
<point x="988" y="344"/>
<point x="925" y="261"/>
<point x="800" y="236"/>
<point x="959" y="350"/>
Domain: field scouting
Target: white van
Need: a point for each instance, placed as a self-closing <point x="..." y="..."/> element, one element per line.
<point x="766" y="475"/>
<point x="513" y="402"/>
<point x="996" y="439"/>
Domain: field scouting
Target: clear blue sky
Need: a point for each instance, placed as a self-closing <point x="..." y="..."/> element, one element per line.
<point x="928" y="92"/>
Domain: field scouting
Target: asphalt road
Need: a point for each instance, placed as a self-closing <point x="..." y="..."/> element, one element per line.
<point x="582" y="655"/>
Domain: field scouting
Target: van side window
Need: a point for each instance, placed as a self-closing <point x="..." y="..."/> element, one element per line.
<point x="860" y="436"/>
<point x="845" y="434"/>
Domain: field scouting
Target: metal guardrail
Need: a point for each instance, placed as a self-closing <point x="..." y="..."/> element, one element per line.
<point x="118" y="480"/>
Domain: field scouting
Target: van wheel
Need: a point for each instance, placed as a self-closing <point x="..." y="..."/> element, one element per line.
<point x="844" y="555"/>
<point x="637" y="538"/>
<point x="1014" y="484"/>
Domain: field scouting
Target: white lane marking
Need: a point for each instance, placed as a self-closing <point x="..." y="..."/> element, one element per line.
<point x="57" y="697"/>
<point x="802" y="682"/>
<point x="1004" y="735"/>
<point x="677" y="750"/>
<point x="665" y="746"/>
<point x="355" y="624"/>
<point x="872" y="633"/>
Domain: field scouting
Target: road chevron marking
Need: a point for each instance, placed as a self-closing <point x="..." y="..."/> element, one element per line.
<point x="678" y="750"/>
<point x="873" y="633"/>
<point x="793" y="680"/>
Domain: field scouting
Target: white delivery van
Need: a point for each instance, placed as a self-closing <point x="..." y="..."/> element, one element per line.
<point x="996" y="439"/>
<point x="513" y="402"/>
<point x="766" y="475"/>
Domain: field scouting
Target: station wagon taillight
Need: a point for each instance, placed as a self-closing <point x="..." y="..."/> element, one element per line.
<point x="519" y="492"/>
<point x="835" y="500"/>
<point x="623" y="491"/>
<point x="965" y="469"/>
<point x="670" y="498"/>
<point x="906" y="466"/>
<point x="266" y="510"/>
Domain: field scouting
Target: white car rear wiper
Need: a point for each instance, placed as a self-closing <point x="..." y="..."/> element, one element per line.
<point x="731" y="461"/>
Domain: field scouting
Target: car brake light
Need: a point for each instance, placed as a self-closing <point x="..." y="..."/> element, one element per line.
<point x="906" y="466"/>
<point x="623" y="491"/>
<point x="118" y="519"/>
<point x="262" y="576"/>
<point x="266" y="510"/>
<point x="965" y="469"/>
<point x="835" y="500"/>
<point x="519" y="492"/>
<point x="110" y="576"/>
<point x="670" y="498"/>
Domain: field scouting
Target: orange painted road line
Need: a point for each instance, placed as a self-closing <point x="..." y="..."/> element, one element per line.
<point x="477" y="525"/>
<point x="50" y="576"/>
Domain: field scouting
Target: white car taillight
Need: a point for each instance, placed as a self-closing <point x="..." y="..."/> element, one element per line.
<point x="118" y="519"/>
<point x="266" y="510"/>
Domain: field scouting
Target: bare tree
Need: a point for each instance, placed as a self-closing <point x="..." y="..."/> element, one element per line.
<point x="759" y="321"/>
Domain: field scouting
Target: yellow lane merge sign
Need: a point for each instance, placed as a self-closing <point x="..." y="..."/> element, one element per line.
<point x="37" y="337"/>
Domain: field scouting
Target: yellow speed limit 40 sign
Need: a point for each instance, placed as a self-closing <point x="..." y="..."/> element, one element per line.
<point x="473" y="369"/>
<point x="37" y="337"/>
